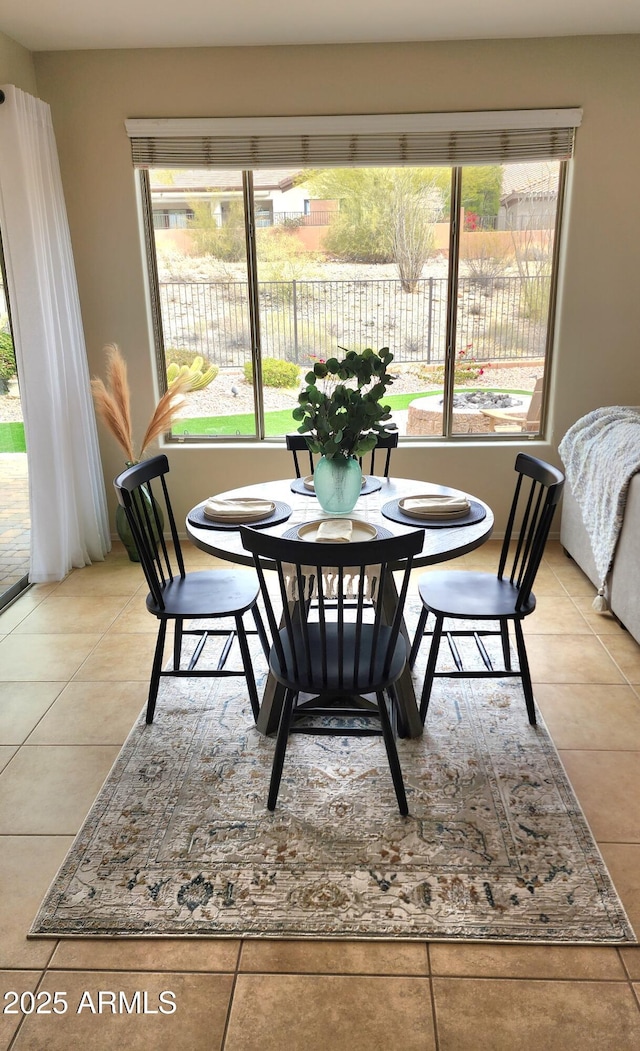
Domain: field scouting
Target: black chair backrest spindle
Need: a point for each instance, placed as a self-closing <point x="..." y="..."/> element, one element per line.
<point x="297" y="444"/>
<point x="149" y="513"/>
<point x="340" y="641"/>
<point x="530" y="517"/>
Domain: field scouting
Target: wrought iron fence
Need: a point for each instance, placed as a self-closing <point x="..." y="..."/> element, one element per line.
<point x="498" y="318"/>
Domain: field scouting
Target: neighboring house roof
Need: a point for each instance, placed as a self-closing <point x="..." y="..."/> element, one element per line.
<point x="529" y="180"/>
<point x="198" y="180"/>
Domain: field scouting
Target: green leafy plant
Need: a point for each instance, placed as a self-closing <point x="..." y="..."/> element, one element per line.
<point x="199" y="372"/>
<point x="346" y="417"/>
<point x="7" y="357"/>
<point x="275" y="373"/>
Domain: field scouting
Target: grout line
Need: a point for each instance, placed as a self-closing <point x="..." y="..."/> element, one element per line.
<point x="227" y="1020"/>
<point x="236" y="973"/>
<point x="432" y="996"/>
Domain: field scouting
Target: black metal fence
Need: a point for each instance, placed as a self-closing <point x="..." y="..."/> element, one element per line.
<point x="498" y="318"/>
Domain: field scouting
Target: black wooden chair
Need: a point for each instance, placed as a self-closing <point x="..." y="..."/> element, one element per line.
<point x="297" y="444"/>
<point x="331" y="659"/>
<point x="209" y="594"/>
<point x="505" y="597"/>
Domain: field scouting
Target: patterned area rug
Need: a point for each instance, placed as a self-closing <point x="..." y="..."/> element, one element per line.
<point x="179" y="841"/>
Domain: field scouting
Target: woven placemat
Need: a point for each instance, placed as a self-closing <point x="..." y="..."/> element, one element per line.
<point x="371" y="485"/>
<point x="197" y="517"/>
<point x="475" y="514"/>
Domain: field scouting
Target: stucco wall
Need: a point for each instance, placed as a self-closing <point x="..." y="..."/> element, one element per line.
<point x="92" y="93"/>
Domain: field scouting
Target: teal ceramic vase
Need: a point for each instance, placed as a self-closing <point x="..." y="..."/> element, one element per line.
<point x="337" y="483"/>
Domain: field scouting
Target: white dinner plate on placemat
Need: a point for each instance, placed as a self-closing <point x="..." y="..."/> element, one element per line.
<point x="359" y="530"/>
<point x="370" y="484"/>
<point x="280" y="513"/>
<point x="476" y="513"/>
<point x="404" y="505"/>
<point x="244" y="509"/>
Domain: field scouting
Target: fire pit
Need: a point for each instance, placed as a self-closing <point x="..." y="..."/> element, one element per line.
<point x="425" y="413"/>
<point x="486" y="399"/>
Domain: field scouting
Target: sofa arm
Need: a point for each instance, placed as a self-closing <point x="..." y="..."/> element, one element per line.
<point x="574" y="537"/>
<point x="624" y="588"/>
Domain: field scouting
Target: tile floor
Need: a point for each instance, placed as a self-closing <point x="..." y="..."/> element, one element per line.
<point x="74" y="660"/>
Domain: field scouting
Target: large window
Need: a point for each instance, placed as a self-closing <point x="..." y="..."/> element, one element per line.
<point x="452" y="266"/>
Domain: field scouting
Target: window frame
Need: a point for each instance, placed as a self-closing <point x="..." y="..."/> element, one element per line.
<point x="447" y="434"/>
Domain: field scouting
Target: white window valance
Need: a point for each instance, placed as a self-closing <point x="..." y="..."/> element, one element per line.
<point x="362" y="140"/>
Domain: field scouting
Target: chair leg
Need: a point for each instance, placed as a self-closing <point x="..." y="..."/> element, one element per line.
<point x="281" y="747"/>
<point x="156" y="671"/>
<point x="525" y="672"/>
<point x="506" y="644"/>
<point x="431" y="667"/>
<point x="417" y="638"/>
<point x="392" y="752"/>
<point x="177" y="642"/>
<point x="248" y="666"/>
<point x="262" y="635"/>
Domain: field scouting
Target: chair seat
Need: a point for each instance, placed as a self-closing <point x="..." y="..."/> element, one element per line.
<point x="207" y="593"/>
<point x="355" y="679"/>
<point x="472" y="595"/>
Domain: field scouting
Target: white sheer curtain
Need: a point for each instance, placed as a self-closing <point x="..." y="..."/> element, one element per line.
<point x="69" y="521"/>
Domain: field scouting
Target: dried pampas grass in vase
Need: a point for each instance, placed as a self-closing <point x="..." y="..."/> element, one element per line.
<point x="113" y="405"/>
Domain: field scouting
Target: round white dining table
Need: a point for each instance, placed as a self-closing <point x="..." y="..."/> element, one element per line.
<point x="441" y="543"/>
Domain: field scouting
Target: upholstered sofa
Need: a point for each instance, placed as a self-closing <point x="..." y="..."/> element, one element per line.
<point x="623" y="584"/>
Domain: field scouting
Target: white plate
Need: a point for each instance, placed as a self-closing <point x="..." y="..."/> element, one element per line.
<point x="246" y="514"/>
<point x="359" y="530"/>
<point x="430" y="514"/>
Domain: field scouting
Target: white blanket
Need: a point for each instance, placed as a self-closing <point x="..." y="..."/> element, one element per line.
<point x="601" y="453"/>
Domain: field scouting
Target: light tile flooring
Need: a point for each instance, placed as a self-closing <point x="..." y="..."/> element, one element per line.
<point x="74" y="661"/>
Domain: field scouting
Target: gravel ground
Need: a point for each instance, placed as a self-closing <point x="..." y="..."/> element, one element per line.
<point x="219" y="399"/>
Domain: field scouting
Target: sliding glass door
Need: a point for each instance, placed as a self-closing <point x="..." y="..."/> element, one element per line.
<point x="15" y="534"/>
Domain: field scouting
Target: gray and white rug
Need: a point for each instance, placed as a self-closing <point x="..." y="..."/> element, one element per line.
<point x="179" y="840"/>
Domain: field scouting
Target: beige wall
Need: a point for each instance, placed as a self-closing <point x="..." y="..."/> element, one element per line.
<point x="16" y="65"/>
<point x="92" y="93"/>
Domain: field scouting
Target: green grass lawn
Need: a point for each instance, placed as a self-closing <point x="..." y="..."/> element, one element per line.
<point x="279" y="423"/>
<point x="12" y="438"/>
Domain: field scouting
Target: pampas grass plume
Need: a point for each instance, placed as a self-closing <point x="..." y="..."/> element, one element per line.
<point x="113" y="404"/>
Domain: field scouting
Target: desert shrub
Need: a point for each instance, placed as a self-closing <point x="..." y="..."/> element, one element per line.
<point x="467" y="371"/>
<point x="534" y="301"/>
<point x="7" y="357"/>
<point x="297" y="343"/>
<point x="485" y="255"/>
<point x="183" y="356"/>
<point x="275" y="373"/>
<point x="351" y="243"/>
<point x="463" y="376"/>
<point x="227" y="241"/>
<point x="283" y="257"/>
